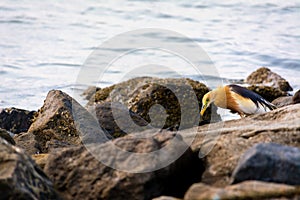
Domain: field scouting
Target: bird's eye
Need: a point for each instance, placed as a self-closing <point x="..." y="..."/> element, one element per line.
<point x="207" y="100"/>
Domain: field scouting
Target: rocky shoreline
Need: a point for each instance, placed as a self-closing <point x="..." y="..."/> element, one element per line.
<point x="49" y="154"/>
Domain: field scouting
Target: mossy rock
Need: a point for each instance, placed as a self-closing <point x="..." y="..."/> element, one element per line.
<point x="164" y="103"/>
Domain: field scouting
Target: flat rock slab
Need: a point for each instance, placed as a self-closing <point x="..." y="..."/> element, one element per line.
<point x="20" y="177"/>
<point x="269" y="162"/>
<point x="244" y="190"/>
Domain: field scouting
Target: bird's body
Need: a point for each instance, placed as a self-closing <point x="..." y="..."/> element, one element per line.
<point x="237" y="99"/>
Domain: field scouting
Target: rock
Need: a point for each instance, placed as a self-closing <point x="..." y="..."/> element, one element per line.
<point x="118" y="121"/>
<point x="77" y="174"/>
<point x="296" y="97"/>
<point x="40" y="159"/>
<point x="6" y="136"/>
<point x="16" y="120"/>
<point x="244" y="190"/>
<point x="223" y="143"/>
<point x="264" y="76"/>
<point x="20" y="177"/>
<point x="269" y="162"/>
<point x="267" y="92"/>
<point x="55" y="121"/>
<point x="90" y="91"/>
<point x="56" y="125"/>
<point x="165" y="103"/>
<point x="283" y="101"/>
<point x="27" y="142"/>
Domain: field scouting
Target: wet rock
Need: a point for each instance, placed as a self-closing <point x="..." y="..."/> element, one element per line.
<point x="6" y="136"/>
<point x="27" y="142"/>
<point x="244" y="190"/>
<point x="267" y="92"/>
<point x="283" y="101"/>
<point x="223" y="143"/>
<point x="165" y="103"/>
<point x="296" y="97"/>
<point x="16" y="120"/>
<point x="77" y="174"/>
<point x="90" y="91"/>
<point x="264" y="76"/>
<point x="269" y="162"/>
<point x="20" y="177"/>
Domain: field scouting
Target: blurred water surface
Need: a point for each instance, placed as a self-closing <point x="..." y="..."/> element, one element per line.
<point x="44" y="43"/>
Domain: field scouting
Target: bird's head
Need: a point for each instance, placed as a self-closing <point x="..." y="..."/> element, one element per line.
<point x="206" y="101"/>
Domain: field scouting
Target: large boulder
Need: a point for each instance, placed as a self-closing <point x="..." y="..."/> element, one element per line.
<point x="296" y="97"/>
<point x="223" y="145"/>
<point x="269" y="162"/>
<point x="244" y="190"/>
<point x="20" y="177"/>
<point x="176" y="102"/>
<point x="79" y="174"/>
<point x="264" y="76"/>
<point x="28" y="142"/>
<point x="16" y="120"/>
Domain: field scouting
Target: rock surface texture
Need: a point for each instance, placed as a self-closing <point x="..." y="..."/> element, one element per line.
<point x="16" y="120"/>
<point x="244" y="190"/>
<point x="77" y="174"/>
<point x="20" y="177"/>
<point x="264" y="76"/>
<point x="269" y="162"/>
<point x="173" y="101"/>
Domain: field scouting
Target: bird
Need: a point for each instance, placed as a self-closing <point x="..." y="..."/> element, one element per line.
<point x="237" y="99"/>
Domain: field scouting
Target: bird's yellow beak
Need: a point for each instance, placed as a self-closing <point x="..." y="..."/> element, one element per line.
<point x="203" y="109"/>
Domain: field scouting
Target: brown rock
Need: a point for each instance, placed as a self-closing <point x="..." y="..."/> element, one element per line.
<point x="77" y="174"/>
<point x="244" y="190"/>
<point x="296" y="97"/>
<point x="223" y="145"/>
<point x="27" y="142"/>
<point x="20" y="177"/>
<point x="264" y="76"/>
<point x="6" y="136"/>
<point x="165" y="103"/>
<point x="40" y="159"/>
<point x="16" y="120"/>
<point x="283" y="101"/>
<point x="57" y="122"/>
<point x="165" y="198"/>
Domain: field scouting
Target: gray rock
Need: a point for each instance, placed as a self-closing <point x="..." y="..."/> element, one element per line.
<point x="16" y="120"/>
<point x="20" y="177"/>
<point x="264" y="76"/>
<point x="269" y="162"/>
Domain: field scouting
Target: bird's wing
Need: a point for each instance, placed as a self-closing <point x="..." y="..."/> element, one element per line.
<point x="255" y="98"/>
